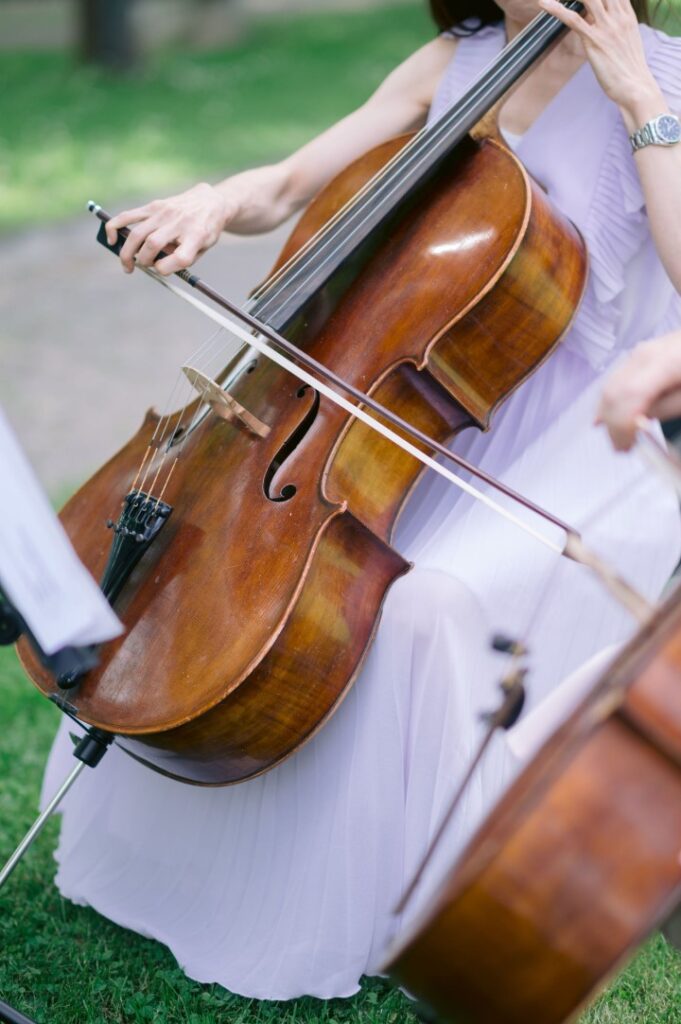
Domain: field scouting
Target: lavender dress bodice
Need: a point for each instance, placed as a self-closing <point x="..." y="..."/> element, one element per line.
<point x="579" y="151"/>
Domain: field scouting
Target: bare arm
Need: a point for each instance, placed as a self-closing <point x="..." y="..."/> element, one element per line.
<point x="659" y="168"/>
<point x="613" y="46"/>
<point x="261" y="199"/>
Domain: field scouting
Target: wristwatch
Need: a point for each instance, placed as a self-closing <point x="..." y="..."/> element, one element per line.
<point x="664" y="130"/>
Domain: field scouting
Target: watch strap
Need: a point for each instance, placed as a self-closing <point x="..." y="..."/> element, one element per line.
<point x="642" y="137"/>
<point x="649" y="136"/>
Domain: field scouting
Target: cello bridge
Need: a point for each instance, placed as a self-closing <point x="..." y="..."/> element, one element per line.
<point x="223" y="404"/>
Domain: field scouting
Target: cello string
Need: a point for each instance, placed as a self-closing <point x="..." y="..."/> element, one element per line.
<point x="202" y="406"/>
<point x="210" y="343"/>
<point x="449" y="122"/>
<point x="164" y="455"/>
<point x="142" y="465"/>
<point x="216" y="362"/>
<point x="206" y="344"/>
<point x="515" y="52"/>
<point x="531" y="36"/>
<point x="202" y="353"/>
<point x="156" y="441"/>
<point x="528" y="38"/>
<point x="204" y="361"/>
<point x="165" y="485"/>
<point x="521" y="44"/>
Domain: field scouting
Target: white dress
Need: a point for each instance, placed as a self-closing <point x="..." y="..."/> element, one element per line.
<point x="285" y="885"/>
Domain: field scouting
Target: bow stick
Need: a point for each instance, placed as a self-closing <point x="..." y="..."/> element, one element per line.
<point x="666" y="463"/>
<point x="287" y="355"/>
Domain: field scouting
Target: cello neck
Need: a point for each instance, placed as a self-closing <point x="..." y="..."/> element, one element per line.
<point x="287" y="296"/>
<point x="499" y="76"/>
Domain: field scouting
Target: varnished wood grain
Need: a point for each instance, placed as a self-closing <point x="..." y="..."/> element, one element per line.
<point x="227" y="663"/>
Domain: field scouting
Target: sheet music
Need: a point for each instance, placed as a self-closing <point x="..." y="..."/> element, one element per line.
<point x="39" y="570"/>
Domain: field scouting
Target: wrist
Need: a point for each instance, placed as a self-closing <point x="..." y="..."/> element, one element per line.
<point x="642" y="106"/>
<point x="255" y="200"/>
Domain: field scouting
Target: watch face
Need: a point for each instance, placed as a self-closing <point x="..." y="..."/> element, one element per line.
<point x="668" y="128"/>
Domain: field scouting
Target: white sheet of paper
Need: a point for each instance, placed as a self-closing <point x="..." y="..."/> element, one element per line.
<point x="39" y="570"/>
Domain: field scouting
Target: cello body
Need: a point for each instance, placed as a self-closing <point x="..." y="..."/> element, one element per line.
<point x="576" y="865"/>
<point x="249" y="618"/>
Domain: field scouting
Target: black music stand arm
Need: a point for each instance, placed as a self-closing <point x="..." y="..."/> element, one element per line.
<point x="67" y="665"/>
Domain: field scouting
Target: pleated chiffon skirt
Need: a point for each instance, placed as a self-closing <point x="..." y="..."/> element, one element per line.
<point x="286" y="885"/>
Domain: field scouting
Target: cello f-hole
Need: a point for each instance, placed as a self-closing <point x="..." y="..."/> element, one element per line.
<point x="288" y="491"/>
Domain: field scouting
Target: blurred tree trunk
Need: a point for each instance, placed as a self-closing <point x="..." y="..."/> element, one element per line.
<point x="217" y="22"/>
<point x="106" y="36"/>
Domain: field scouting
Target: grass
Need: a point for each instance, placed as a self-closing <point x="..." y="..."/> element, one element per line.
<point x="69" y="133"/>
<point x="63" y="964"/>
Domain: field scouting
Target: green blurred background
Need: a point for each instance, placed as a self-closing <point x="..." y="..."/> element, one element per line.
<point x="199" y="88"/>
<point x="211" y="87"/>
<point x="196" y="89"/>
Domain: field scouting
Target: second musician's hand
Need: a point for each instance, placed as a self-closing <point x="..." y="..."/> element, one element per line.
<point x="647" y="384"/>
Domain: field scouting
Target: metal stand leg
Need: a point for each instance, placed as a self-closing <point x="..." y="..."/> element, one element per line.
<point x="10" y="1016"/>
<point x="89" y="751"/>
<point x="7" y="1014"/>
<point x="67" y="665"/>
<point x="39" y="824"/>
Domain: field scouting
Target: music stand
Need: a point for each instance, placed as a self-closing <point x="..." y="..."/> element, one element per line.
<point x="67" y="665"/>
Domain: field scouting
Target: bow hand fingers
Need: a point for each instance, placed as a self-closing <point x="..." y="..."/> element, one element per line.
<point x="160" y="241"/>
<point x="184" y="255"/>
<point x="135" y="241"/>
<point x="124" y="220"/>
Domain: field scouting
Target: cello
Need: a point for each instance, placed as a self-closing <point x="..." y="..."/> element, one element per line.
<point x="578" y="862"/>
<point x="252" y="555"/>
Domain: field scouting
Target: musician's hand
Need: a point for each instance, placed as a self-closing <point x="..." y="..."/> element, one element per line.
<point x="184" y="226"/>
<point x="610" y="34"/>
<point x="648" y="384"/>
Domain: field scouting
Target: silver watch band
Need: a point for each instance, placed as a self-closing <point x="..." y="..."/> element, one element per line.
<point x="664" y="130"/>
<point x="643" y="137"/>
